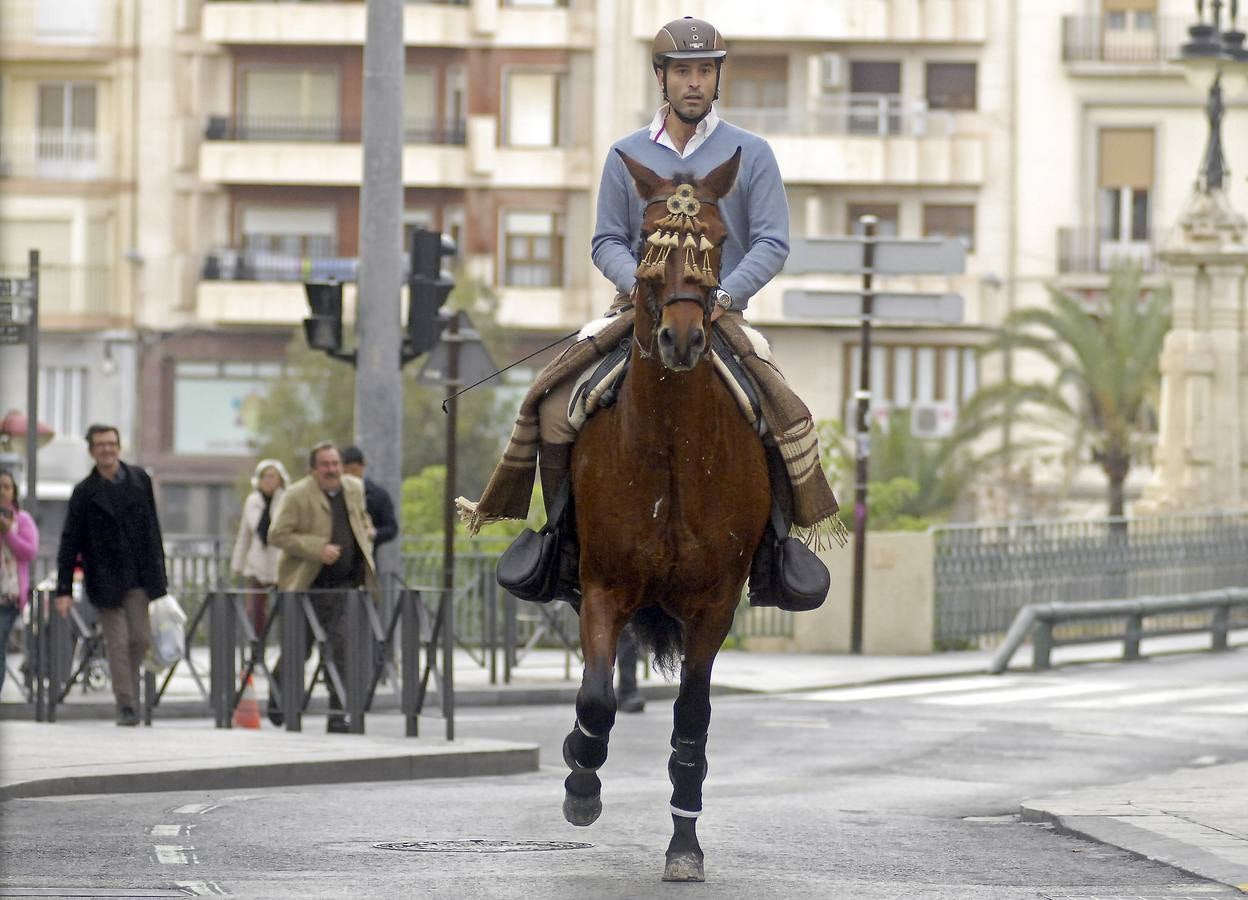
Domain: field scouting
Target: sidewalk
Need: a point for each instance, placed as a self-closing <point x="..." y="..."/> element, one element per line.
<point x="1192" y="819"/>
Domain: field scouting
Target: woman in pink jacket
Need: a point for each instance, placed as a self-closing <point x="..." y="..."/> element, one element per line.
<point x="19" y="542"/>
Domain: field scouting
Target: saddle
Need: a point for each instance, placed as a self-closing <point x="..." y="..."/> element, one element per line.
<point x="599" y="385"/>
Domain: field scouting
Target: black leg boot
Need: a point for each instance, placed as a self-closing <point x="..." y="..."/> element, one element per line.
<point x="554" y="465"/>
<point x="761" y="590"/>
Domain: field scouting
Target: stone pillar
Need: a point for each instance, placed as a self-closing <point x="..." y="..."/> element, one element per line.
<point x="1202" y="453"/>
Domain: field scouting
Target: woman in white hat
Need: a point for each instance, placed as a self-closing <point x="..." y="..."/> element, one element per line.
<point x="253" y="558"/>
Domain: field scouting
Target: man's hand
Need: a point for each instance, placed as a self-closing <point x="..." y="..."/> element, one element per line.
<point x="330" y="554"/>
<point x="63" y="604"/>
<point x="716" y="313"/>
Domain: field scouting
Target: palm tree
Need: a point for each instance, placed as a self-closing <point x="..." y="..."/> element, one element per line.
<point x="1106" y="363"/>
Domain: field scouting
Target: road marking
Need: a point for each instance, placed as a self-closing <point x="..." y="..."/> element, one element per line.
<point x="175" y="854"/>
<point x="195" y="809"/>
<point x="170" y="830"/>
<point x="203" y="888"/>
<point x="905" y="689"/>
<point x="1228" y="709"/>
<point x="1152" y="697"/>
<point x="1020" y="695"/>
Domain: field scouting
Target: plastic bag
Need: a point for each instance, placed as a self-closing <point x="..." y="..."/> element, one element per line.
<point x="168" y="639"/>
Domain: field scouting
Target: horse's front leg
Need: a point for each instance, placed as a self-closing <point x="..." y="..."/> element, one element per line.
<point x="585" y="748"/>
<point x="687" y="765"/>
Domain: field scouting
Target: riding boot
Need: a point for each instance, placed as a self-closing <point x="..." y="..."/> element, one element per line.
<point x="762" y="567"/>
<point x="554" y="465"/>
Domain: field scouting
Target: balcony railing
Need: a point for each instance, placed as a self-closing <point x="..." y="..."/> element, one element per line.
<point x="69" y="290"/>
<point x="868" y="115"/>
<point x="55" y="154"/>
<point x="1095" y="251"/>
<point x="323" y="129"/>
<point x="1086" y="39"/>
<point x="230" y="264"/>
<point x="361" y="2"/>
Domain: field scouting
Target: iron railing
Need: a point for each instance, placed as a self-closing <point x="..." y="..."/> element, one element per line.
<point x="866" y="115"/>
<point x="56" y="154"/>
<point x="1095" y="250"/>
<point x="985" y="574"/>
<point x="325" y="129"/>
<point x="1089" y="39"/>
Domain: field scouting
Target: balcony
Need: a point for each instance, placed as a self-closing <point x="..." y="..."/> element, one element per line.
<point x="868" y="139"/>
<point x="56" y="155"/>
<point x="324" y="129"/>
<point x="323" y="152"/>
<point x="1094" y="251"/>
<point x="229" y="264"/>
<point x="440" y="23"/>
<point x="1088" y="46"/>
<point x="931" y="21"/>
<point x="62" y="26"/>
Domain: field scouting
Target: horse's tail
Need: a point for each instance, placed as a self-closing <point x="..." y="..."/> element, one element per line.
<point x="661" y="636"/>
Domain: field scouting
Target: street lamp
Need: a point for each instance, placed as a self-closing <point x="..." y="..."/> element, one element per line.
<point x="1214" y="61"/>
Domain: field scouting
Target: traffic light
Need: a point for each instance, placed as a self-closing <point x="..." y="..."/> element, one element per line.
<point x="427" y="290"/>
<point x="323" y="328"/>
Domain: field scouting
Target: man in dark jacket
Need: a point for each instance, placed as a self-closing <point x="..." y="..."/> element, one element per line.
<point x="376" y="500"/>
<point x="112" y="531"/>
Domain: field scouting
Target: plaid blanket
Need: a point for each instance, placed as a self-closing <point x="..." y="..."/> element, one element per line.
<point x="510" y="488"/>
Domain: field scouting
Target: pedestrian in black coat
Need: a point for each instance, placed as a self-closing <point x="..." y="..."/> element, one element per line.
<point x="378" y="503"/>
<point x="112" y="532"/>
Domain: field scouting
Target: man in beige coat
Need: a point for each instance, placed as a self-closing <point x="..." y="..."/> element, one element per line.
<point x="325" y="537"/>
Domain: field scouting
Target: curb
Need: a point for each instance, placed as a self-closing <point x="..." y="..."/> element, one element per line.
<point x="397" y="767"/>
<point x="1146" y="843"/>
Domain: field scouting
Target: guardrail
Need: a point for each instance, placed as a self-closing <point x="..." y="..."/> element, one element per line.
<point x="1042" y="618"/>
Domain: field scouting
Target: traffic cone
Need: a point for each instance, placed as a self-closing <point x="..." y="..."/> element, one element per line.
<point x="247" y="713"/>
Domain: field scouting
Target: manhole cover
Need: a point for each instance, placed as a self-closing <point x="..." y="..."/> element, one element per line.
<point x="481" y="846"/>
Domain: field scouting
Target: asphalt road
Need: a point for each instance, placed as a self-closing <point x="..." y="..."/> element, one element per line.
<point x="899" y="791"/>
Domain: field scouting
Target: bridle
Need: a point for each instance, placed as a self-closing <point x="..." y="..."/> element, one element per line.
<point x="683" y="208"/>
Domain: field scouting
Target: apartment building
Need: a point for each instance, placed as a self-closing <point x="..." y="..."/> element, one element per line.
<point x="67" y="189"/>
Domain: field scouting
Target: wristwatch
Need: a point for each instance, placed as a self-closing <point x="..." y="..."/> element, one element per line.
<point x="722" y="298"/>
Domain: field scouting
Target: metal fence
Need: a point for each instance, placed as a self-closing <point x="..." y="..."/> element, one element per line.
<point x="985" y="574"/>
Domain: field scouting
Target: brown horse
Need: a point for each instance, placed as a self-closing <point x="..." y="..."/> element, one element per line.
<point x="671" y="498"/>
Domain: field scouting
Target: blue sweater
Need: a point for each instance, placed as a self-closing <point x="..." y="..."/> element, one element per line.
<point x="755" y="211"/>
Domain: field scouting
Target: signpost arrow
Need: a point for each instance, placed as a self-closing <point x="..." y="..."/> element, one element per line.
<point x="17" y="287"/>
<point x="943" y="309"/>
<point x="893" y="256"/>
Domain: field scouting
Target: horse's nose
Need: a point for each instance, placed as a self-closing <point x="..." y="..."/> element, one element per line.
<point x="697" y="341"/>
<point x="667" y="338"/>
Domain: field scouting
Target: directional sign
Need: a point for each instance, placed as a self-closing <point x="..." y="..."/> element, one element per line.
<point x="893" y="256"/>
<point x="944" y="309"/>
<point x="17" y="287"/>
<point x="12" y="333"/>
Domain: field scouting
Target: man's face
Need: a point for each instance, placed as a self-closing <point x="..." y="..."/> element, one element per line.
<point x="356" y="469"/>
<point x="328" y="469"/>
<point x="105" y="447"/>
<point x="691" y="85"/>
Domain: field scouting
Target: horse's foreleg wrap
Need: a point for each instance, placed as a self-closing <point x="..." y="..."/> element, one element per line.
<point x="687" y="769"/>
<point x="583" y="751"/>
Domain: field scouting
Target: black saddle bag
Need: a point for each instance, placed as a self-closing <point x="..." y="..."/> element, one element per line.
<point x="799" y="579"/>
<point x="529" y="568"/>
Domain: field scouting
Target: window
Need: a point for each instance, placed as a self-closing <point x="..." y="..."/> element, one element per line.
<point x="533" y="253"/>
<point x="1126" y="181"/>
<point x="757" y="82"/>
<point x="63" y="399"/>
<point x="291" y="230"/>
<point x="290" y="104"/>
<point x="885" y="212"/>
<point x="874" y="77"/>
<point x="951" y="85"/>
<point x="534" y="115"/>
<point x="902" y="375"/>
<point x="215" y="406"/>
<point x="874" y="88"/>
<point x="456" y="105"/>
<point x="66" y="115"/>
<point x="950" y="220"/>
<point x="420" y="105"/>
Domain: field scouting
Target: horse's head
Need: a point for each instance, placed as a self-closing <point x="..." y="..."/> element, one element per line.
<point x="683" y="233"/>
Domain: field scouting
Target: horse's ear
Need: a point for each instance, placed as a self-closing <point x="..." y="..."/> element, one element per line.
<point x="720" y="179"/>
<point x="647" y="182"/>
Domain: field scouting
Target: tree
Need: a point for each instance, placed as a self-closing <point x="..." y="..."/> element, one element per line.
<point x="315" y="400"/>
<point x="1105" y="357"/>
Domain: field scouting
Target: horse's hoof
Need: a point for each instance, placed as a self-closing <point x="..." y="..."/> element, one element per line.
<point x="582" y="811"/>
<point x="684" y="867"/>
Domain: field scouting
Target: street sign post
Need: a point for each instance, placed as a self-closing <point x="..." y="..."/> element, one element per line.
<point x="870" y="255"/>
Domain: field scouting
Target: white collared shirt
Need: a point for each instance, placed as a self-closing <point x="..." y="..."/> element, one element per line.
<point x="702" y="131"/>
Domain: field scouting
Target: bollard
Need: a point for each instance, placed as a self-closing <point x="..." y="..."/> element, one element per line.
<point x="1221" y="626"/>
<point x="1131" y="639"/>
<point x="1042" y="644"/>
<point x="294" y="641"/>
<point x="410" y="650"/>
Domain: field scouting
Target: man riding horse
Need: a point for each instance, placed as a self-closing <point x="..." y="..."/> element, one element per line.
<point x="686" y="136"/>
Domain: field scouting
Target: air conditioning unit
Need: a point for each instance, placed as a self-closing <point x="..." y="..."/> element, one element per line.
<point x="933" y="419"/>
<point x="877" y="413"/>
<point x="831" y="71"/>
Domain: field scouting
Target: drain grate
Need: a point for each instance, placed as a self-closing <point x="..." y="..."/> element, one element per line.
<point x="481" y="846"/>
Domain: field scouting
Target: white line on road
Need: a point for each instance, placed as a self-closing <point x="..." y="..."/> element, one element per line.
<point x="175" y="854"/>
<point x="1227" y="709"/>
<point x="1020" y="695"/>
<point x="1151" y="697"/>
<point x="203" y="888"/>
<point x="195" y="809"/>
<point x="905" y="689"/>
<point x="170" y="830"/>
